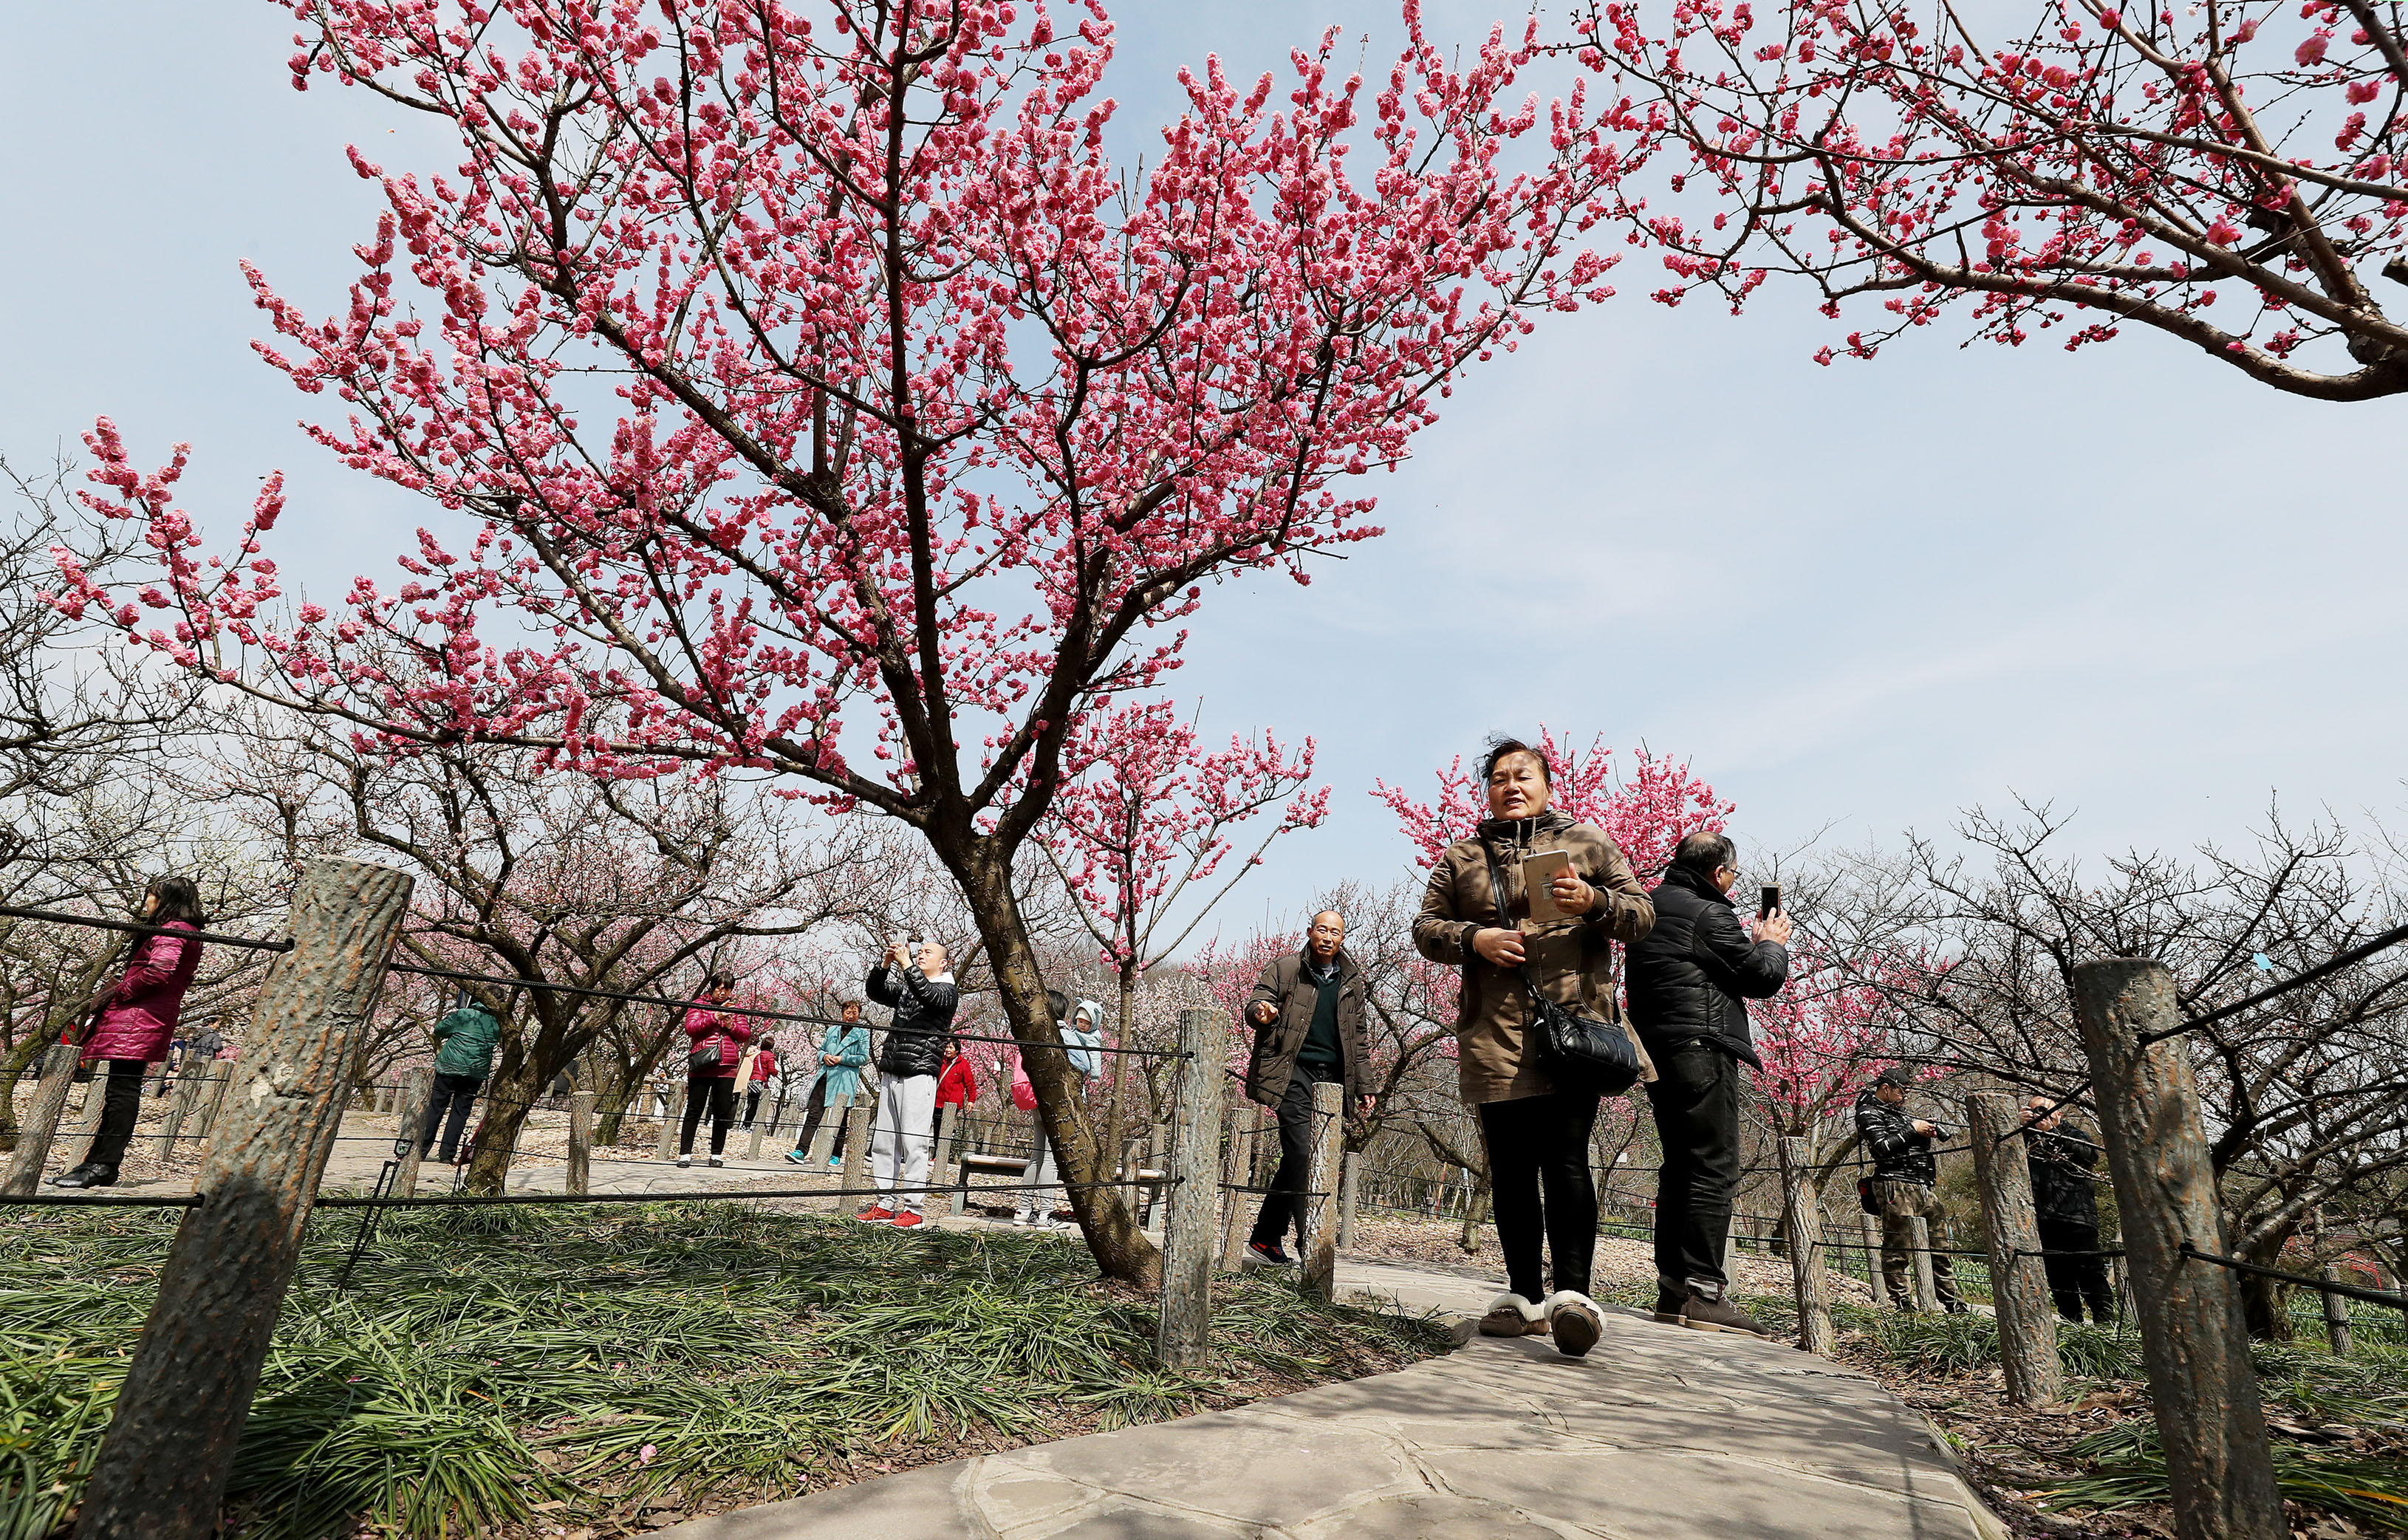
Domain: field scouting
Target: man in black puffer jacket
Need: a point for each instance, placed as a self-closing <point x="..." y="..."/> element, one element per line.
<point x="922" y="993"/>
<point x="1690" y="981"/>
<point x="1906" y="1187"/>
<point x="2067" y="1201"/>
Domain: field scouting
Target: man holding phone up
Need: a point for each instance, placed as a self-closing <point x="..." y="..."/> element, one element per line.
<point x="1690" y="982"/>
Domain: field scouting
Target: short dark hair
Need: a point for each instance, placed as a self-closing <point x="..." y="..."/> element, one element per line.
<point x="1703" y="849"/>
<point x="719" y="979"/>
<point x="1058" y="1002"/>
<point x="1503" y="747"/>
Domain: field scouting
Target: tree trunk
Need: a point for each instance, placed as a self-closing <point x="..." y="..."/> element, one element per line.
<point x="20" y="1059"/>
<point x="1104" y="1214"/>
<point x="510" y="1095"/>
<point x="2266" y="1305"/>
<point x="1115" y="1145"/>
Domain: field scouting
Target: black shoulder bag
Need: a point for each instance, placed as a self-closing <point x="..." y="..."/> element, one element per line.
<point x="1579" y="1051"/>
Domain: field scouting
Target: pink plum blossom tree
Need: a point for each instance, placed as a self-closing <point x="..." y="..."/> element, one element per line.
<point x="802" y="388"/>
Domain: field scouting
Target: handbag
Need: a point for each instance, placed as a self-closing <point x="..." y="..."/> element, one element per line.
<point x="1580" y="1051"/>
<point x="703" y="1058"/>
<point x="1865" y="1195"/>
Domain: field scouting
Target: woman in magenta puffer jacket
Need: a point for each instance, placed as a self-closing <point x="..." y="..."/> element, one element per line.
<point x="709" y="1029"/>
<point x="136" y="1018"/>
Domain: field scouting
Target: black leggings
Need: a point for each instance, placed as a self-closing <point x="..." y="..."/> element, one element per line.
<point x="720" y="1092"/>
<point x="118" y="1111"/>
<point x="1536" y="1141"/>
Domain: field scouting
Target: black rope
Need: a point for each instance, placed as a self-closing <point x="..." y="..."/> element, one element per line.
<point x="137" y="928"/>
<point x="925" y="1190"/>
<point x="759" y="1013"/>
<point x="2372" y="1296"/>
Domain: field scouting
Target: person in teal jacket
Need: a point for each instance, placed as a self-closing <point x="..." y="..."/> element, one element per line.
<point x="464" y="1057"/>
<point x="844" y="1051"/>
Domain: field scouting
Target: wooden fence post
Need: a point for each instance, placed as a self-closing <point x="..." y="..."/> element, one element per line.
<point x="1237" y="1172"/>
<point x="2011" y="1226"/>
<point x="2193" y="1337"/>
<point x="1803" y="1220"/>
<point x="1186" y="1324"/>
<point x="579" y="1177"/>
<point x="1869" y="1228"/>
<point x="34" y="1129"/>
<point x="1927" y="1293"/>
<point x="856" y="1150"/>
<point x="1346" y="1184"/>
<point x="161" y="1473"/>
<point x="1320" y="1216"/>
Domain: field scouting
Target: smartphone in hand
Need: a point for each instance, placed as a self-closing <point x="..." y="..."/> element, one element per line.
<point x="1768" y="900"/>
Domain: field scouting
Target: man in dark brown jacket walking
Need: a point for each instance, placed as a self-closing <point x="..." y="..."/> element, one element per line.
<point x="1307" y="1012"/>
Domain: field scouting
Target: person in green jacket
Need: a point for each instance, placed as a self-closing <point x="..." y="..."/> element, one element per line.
<point x="464" y="1057"/>
<point x="844" y="1051"/>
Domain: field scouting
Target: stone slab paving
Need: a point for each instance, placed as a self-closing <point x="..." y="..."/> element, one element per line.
<point x="1659" y="1431"/>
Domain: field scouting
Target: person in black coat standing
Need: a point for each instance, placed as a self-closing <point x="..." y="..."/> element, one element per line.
<point x="2067" y="1200"/>
<point x="1690" y="981"/>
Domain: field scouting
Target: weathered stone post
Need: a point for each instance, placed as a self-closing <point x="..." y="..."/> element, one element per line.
<point x="2337" y="1333"/>
<point x="941" y="1160"/>
<point x="1186" y="1320"/>
<point x="213" y="1094"/>
<point x="409" y="1131"/>
<point x="1871" y="1229"/>
<point x="1927" y="1293"/>
<point x="34" y="1129"/>
<point x="162" y="1470"/>
<point x="2193" y="1337"/>
<point x="1320" y="1225"/>
<point x="1346" y="1183"/>
<point x="671" y="1119"/>
<point x="1237" y="1171"/>
<point x="2018" y="1283"/>
<point x="579" y="1177"/>
<point x="856" y="1149"/>
<point x="1804" y="1223"/>
<point x="188" y="1086"/>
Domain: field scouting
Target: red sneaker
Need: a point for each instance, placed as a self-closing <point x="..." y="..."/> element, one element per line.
<point x="907" y="1219"/>
<point x="875" y="1215"/>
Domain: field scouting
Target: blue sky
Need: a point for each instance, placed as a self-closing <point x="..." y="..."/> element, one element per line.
<point x="1859" y="597"/>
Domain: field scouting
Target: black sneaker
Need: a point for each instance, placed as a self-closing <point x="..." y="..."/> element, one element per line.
<point x="1959" y="1307"/>
<point x="1701" y="1314"/>
<point x="1269" y="1255"/>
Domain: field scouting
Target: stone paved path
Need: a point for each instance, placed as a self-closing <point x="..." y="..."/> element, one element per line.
<point x="1659" y="1431"/>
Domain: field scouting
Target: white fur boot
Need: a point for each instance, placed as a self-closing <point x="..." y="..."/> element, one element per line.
<point x="1576" y="1321"/>
<point x="1512" y="1315"/>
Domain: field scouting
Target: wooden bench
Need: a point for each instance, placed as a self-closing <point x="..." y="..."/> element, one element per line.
<point x="1150" y="1183"/>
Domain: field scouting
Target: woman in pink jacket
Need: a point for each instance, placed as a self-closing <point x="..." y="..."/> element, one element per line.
<point x="718" y="1038"/>
<point x="135" y="1020"/>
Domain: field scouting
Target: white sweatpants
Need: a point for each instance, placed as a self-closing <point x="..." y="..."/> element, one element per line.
<point x="901" y="1141"/>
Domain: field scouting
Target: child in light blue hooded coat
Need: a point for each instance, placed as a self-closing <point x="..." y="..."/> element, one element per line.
<point x="1082" y="1039"/>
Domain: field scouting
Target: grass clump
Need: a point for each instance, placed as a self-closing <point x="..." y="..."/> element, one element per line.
<point x="2128" y="1467"/>
<point x="485" y="1361"/>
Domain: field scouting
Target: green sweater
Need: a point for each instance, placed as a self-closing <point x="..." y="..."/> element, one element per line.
<point x="464" y="1042"/>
